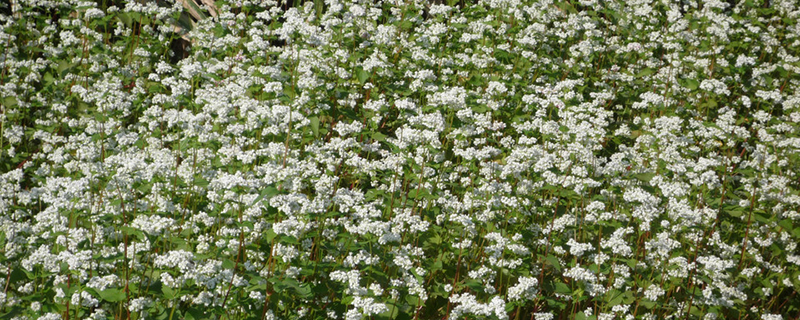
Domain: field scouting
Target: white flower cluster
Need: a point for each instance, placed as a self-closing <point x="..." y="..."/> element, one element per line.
<point x="402" y="153"/>
<point x="467" y="304"/>
<point x="525" y="289"/>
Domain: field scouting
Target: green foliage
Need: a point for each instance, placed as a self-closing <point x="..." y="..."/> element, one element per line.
<point x="165" y="155"/>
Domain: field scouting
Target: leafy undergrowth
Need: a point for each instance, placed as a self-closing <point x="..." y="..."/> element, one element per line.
<point x="399" y="160"/>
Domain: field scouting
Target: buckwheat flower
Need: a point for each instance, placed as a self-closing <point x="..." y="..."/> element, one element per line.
<point x="770" y="316"/>
<point x="14" y="134"/>
<point x="543" y="316"/>
<point x="93" y="13"/>
<point x="617" y="243"/>
<point x="649" y="99"/>
<point x="653" y="292"/>
<point x="621" y="308"/>
<point x="743" y="60"/>
<point x="662" y="245"/>
<point x="256" y="295"/>
<point x="68" y="38"/>
<point x="84" y="299"/>
<point x="293" y="272"/>
<point x="181" y="259"/>
<point x="368" y="306"/>
<point x="526" y="288"/>
<point x="773" y="95"/>
<point x="152" y="224"/>
<point x="577" y="249"/>
<point x="287" y="253"/>
<point x="168" y="280"/>
<point x="102" y="283"/>
<point x="634" y="46"/>
<point x="345" y="129"/>
<point x="714" y="265"/>
<point x="580" y="274"/>
<point x="715" y="86"/>
<point x="291" y="227"/>
<point x="466" y="304"/>
<point x="462" y="245"/>
<point x="495" y="87"/>
<point x="623" y="130"/>
<point x="50" y="316"/>
<point x="205" y="298"/>
<point x="353" y="314"/>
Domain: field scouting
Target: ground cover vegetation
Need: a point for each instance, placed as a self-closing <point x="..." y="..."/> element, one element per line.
<point x="389" y="159"/>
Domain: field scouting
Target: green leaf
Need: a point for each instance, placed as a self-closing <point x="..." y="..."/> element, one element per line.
<point x="271" y="235"/>
<point x="48" y="78"/>
<point x="553" y="261"/>
<point x="289" y="92"/>
<point x="644" y="177"/>
<point x="616" y="298"/>
<point x="583" y="316"/>
<point x="314" y="125"/>
<point x="291" y="285"/>
<point x="645" y="72"/>
<point x="377" y="136"/>
<point x="413" y="300"/>
<point x="786" y="224"/>
<point x="168" y="292"/>
<point x="266" y="194"/>
<point x="562" y="288"/>
<point x="421" y="194"/>
<point x="125" y="18"/>
<point x="9" y="101"/>
<point x="733" y="210"/>
<point x="200" y="182"/>
<point x="481" y="108"/>
<point x="11" y="314"/>
<point x="474" y="285"/>
<point x="763" y="217"/>
<point x="112" y="295"/>
<point x="392" y="313"/>
<point x="373" y="194"/>
<point x="17" y="274"/>
<point x="194" y="314"/>
<point x="133" y="231"/>
<point x="361" y="75"/>
<point x="691" y="84"/>
<point x="437" y="266"/>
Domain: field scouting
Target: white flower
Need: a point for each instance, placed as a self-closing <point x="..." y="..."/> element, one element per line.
<point x="577" y="249"/>
<point x="466" y="304"/>
<point x="715" y="86"/>
<point x="50" y="316"/>
<point x="139" y="304"/>
<point x="524" y="289"/>
<point x="152" y="224"/>
<point x="368" y="306"/>
<point x="543" y="316"/>
<point x="256" y="295"/>
<point x="653" y="292"/>
<point x="743" y="60"/>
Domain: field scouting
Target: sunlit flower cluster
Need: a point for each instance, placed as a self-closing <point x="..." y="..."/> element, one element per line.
<point x="338" y="159"/>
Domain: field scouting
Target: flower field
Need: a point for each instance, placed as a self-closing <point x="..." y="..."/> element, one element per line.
<point x="399" y="159"/>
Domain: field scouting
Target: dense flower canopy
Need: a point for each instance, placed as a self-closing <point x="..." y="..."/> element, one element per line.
<point x="387" y="159"/>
